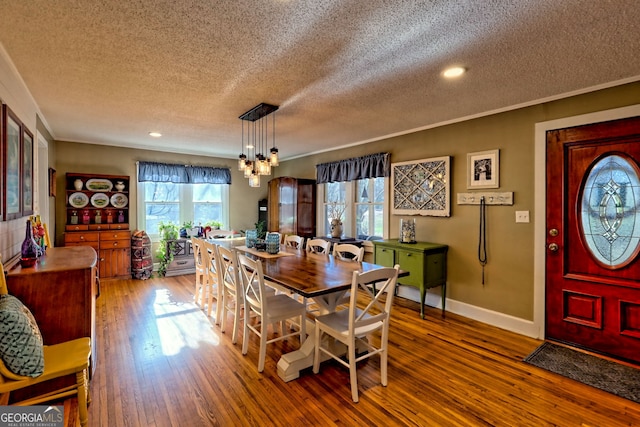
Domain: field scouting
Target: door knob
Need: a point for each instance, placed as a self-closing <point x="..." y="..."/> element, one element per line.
<point x="553" y="247"/>
<point x="553" y="232"/>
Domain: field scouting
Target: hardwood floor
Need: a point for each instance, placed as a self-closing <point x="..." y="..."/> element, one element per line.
<point x="161" y="362"/>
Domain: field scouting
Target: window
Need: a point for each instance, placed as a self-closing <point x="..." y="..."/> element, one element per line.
<point x="369" y="207"/>
<point x="179" y="203"/>
<point x="363" y="204"/>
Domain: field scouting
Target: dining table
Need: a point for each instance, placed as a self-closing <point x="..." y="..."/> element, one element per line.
<point x="323" y="278"/>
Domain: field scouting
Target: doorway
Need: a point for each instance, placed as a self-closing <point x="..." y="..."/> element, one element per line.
<point x="541" y="232"/>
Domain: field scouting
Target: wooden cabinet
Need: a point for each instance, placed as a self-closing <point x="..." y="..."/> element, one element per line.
<point x="292" y="206"/>
<point x="97" y="215"/>
<point x="425" y="262"/>
<point x="60" y="291"/>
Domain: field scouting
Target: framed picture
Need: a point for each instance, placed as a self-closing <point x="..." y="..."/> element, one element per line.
<point x="483" y="169"/>
<point x="421" y="187"/>
<point x="27" y="172"/>
<point x="11" y="151"/>
<point x="52" y="182"/>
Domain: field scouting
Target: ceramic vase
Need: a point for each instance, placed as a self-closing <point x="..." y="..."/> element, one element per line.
<point x="336" y="228"/>
<point x="273" y="243"/>
<point x="77" y="184"/>
<point x="119" y="185"/>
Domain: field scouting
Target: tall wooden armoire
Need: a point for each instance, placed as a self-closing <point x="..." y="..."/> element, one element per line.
<point x="292" y="206"/>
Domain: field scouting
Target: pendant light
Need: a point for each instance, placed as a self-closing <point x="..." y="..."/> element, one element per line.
<point x="256" y="163"/>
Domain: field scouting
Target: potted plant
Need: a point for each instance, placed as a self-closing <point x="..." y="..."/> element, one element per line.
<point x="261" y="228"/>
<point x="215" y="225"/>
<point x="169" y="233"/>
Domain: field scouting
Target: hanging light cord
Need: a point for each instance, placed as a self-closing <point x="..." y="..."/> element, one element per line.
<point x="482" y="241"/>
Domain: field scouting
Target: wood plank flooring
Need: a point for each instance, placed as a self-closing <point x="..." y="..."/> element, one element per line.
<point x="162" y="362"/>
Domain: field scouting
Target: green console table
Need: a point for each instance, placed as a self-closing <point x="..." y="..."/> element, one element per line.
<point x="425" y="262"/>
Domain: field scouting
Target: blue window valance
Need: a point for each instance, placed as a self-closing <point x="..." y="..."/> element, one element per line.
<point x="182" y="174"/>
<point x="369" y="166"/>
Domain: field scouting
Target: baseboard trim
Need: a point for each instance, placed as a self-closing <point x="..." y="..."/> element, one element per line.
<point x="490" y="317"/>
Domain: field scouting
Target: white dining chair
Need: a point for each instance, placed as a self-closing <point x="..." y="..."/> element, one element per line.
<point x="318" y="246"/>
<point x="232" y="290"/>
<point x="268" y="309"/>
<point x="294" y="241"/>
<point x="200" y="260"/>
<point x="348" y="252"/>
<point x="214" y="290"/>
<point x="352" y="326"/>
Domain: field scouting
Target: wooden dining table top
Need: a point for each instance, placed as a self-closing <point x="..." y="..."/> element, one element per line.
<point x="311" y="275"/>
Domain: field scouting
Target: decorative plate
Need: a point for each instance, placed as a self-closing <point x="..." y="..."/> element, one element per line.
<point x="99" y="200"/>
<point x="99" y="184"/>
<point x="78" y="200"/>
<point x="119" y="200"/>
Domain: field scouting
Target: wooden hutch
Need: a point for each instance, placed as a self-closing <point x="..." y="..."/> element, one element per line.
<point x="97" y="215"/>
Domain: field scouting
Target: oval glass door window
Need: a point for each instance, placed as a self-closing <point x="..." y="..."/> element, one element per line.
<point x="610" y="211"/>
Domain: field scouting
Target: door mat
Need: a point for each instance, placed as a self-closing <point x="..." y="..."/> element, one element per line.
<point x="612" y="377"/>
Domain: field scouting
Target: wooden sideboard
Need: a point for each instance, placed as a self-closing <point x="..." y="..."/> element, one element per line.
<point x="60" y="291"/>
<point x="183" y="259"/>
<point x="425" y="262"/>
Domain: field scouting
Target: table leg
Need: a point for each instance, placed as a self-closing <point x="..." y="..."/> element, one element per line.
<point x="290" y="364"/>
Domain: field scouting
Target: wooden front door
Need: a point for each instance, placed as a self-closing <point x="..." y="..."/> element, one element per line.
<point x="593" y="237"/>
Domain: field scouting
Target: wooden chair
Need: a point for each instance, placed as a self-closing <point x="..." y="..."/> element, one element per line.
<point x="352" y="325"/>
<point x="212" y="267"/>
<point x="232" y="292"/>
<point x="318" y="246"/>
<point x="348" y="252"/>
<point x="269" y="309"/>
<point x="229" y="283"/>
<point x="293" y="241"/>
<point x="67" y="358"/>
<point x="197" y="246"/>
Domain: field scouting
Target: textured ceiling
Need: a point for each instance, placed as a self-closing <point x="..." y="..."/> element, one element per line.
<point x="342" y="72"/>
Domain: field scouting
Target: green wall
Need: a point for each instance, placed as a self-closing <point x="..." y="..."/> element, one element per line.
<point x="508" y="286"/>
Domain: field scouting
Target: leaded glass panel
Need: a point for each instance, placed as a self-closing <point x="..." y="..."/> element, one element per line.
<point x="610" y="211"/>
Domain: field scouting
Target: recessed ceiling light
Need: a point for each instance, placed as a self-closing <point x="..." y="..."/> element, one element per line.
<point x="155" y="134"/>
<point x="453" y="72"/>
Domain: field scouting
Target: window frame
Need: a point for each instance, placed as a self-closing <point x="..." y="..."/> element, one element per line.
<point x="348" y="224"/>
<point x="186" y="204"/>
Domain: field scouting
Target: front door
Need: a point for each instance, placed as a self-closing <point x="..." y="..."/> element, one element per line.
<point x="593" y="237"/>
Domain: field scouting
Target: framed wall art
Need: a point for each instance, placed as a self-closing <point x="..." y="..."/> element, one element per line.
<point x="421" y="187"/>
<point x="27" y="172"/>
<point x="17" y="167"/>
<point x="483" y="169"/>
<point x="11" y="161"/>
<point x="52" y="182"/>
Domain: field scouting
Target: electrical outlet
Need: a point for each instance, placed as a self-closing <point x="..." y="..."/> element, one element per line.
<point x="522" y="216"/>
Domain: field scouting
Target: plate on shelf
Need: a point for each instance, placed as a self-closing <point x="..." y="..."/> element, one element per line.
<point x="99" y="184"/>
<point x="99" y="200"/>
<point x="119" y="200"/>
<point x="78" y="200"/>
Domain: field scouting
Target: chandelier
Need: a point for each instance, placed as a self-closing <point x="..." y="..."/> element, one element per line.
<point x="255" y="142"/>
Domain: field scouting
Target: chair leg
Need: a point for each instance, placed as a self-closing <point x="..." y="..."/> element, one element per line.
<point x="263" y="346"/>
<point x="245" y="335"/>
<point x="236" y="319"/>
<point x="219" y="297"/>
<point x="383" y="367"/>
<point x="83" y="391"/>
<point x="316" y="354"/>
<point x="352" y="371"/>
<point x="223" y="309"/>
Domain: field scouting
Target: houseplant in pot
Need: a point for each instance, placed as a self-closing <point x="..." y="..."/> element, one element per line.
<point x="169" y="232"/>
